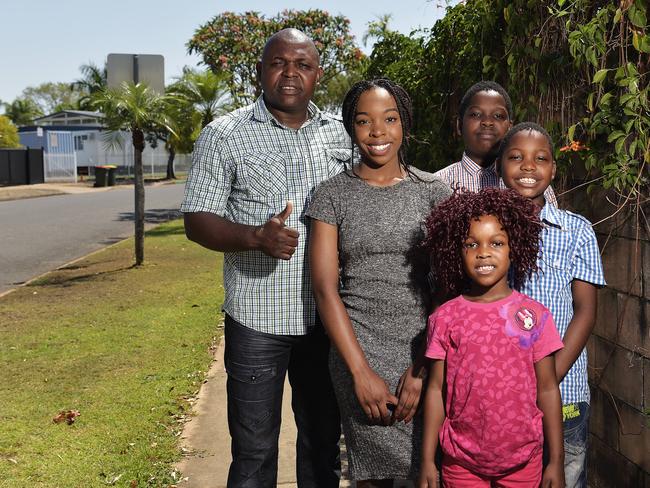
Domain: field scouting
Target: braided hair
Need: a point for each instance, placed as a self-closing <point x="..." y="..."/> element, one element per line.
<point x="448" y="226"/>
<point x="404" y="108"/>
<point x="484" y="86"/>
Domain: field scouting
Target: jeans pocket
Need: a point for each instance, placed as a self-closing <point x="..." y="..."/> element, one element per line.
<point x="574" y="449"/>
<point x="252" y="390"/>
<point x="251" y="374"/>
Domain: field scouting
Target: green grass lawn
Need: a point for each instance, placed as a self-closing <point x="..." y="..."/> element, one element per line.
<point x="126" y="347"/>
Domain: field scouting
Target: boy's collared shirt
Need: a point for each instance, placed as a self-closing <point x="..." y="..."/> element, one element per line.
<point x="569" y="251"/>
<point x="468" y="175"/>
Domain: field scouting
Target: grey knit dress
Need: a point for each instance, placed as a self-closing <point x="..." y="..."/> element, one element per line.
<point x="383" y="285"/>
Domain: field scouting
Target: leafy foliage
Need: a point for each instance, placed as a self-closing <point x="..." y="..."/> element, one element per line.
<point x="193" y="101"/>
<point x="93" y="80"/>
<point x="399" y="57"/>
<point x="616" y="124"/>
<point x="22" y="111"/>
<point x="52" y="97"/>
<point x="8" y="133"/>
<point x="578" y="67"/>
<point x="331" y="98"/>
<point x="132" y="107"/>
<point x="377" y="29"/>
<point x="232" y="44"/>
<point x="435" y="67"/>
<point x="205" y="91"/>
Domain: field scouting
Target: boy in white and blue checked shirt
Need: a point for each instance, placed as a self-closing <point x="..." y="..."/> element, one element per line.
<point x="570" y="271"/>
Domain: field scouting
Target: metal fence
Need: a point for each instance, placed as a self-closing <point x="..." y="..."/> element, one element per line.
<point x="60" y="166"/>
<point x="59" y="157"/>
<point x="182" y="163"/>
<point x="155" y="164"/>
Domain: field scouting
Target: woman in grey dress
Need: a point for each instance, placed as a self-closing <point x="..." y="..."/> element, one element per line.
<point x="370" y="280"/>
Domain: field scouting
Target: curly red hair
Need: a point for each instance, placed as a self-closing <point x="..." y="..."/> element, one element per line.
<point x="448" y="226"/>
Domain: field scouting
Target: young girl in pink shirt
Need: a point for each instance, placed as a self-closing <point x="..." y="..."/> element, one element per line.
<point x="491" y="348"/>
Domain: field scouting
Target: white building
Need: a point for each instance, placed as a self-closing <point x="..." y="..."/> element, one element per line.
<point x="91" y="145"/>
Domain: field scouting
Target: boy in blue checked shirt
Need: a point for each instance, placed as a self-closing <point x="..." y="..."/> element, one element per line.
<point x="484" y="116"/>
<point x="570" y="271"/>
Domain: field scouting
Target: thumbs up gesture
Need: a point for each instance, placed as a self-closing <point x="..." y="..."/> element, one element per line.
<point x="282" y="217"/>
<point x="276" y="239"/>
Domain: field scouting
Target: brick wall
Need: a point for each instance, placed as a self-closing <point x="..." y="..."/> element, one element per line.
<point x="619" y="348"/>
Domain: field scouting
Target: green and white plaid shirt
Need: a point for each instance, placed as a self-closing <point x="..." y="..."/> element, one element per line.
<point x="245" y="167"/>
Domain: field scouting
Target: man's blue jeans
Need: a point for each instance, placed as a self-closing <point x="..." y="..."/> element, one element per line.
<point x="576" y="428"/>
<point x="256" y="364"/>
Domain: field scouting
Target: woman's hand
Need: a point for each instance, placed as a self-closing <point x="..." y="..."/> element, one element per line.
<point x="553" y="476"/>
<point x="374" y="396"/>
<point x="429" y="476"/>
<point x="409" y="390"/>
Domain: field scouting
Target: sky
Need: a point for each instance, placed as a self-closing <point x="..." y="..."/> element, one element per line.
<point x="44" y="40"/>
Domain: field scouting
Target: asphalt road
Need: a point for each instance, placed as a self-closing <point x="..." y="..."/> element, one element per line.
<point x="40" y="234"/>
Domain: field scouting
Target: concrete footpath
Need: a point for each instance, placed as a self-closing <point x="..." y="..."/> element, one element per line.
<point x="49" y="189"/>
<point x="206" y="441"/>
<point x="18" y="192"/>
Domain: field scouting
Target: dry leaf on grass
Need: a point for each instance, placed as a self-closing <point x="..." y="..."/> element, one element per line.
<point x="67" y="416"/>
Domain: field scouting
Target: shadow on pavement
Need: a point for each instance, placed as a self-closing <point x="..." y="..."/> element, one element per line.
<point x="153" y="216"/>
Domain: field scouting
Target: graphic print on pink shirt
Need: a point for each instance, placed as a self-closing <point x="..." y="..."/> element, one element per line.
<point x="524" y="322"/>
<point x="493" y="424"/>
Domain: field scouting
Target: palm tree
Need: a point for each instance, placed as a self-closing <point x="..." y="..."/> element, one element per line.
<point x="22" y="111"/>
<point x="186" y="128"/>
<point x="195" y="99"/>
<point x="186" y="125"/>
<point x="377" y="29"/>
<point x="93" y="80"/>
<point x="138" y="109"/>
<point x="206" y="91"/>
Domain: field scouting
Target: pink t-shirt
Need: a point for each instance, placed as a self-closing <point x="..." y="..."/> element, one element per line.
<point x="492" y="424"/>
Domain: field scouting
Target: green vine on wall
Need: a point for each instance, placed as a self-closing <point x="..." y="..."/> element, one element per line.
<point x="578" y="67"/>
<point x="612" y="48"/>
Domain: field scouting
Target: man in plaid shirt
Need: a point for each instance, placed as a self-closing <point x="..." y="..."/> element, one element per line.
<point x="253" y="174"/>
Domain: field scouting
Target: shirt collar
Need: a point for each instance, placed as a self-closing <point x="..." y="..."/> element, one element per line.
<point x="551" y="215"/>
<point x="473" y="168"/>
<point x="261" y="113"/>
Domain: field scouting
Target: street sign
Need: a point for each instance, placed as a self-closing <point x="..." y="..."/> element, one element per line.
<point x="146" y="68"/>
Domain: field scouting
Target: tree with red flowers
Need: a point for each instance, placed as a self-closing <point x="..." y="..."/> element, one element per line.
<point x="232" y="43"/>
